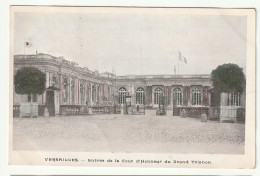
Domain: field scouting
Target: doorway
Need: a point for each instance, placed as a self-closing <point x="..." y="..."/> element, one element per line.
<point x="50" y="102"/>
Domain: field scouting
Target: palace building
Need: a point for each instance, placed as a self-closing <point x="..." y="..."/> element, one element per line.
<point x="69" y="84"/>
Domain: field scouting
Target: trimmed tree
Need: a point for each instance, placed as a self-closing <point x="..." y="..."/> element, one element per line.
<point x="228" y="78"/>
<point x="29" y="80"/>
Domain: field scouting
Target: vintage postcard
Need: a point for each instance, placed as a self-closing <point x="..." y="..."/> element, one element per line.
<point x="132" y="87"/>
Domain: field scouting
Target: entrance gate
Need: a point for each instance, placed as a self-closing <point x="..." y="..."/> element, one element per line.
<point x="228" y="113"/>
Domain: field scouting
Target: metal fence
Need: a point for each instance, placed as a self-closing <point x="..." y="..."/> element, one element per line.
<point x="190" y="111"/>
<point x="108" y="109"/>
<point x="87" y="110"/>
<point x="133" y="110"/>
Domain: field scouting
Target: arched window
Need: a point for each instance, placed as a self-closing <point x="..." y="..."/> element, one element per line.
<point x="72" y="91"/>
<point x="158" y="93"/>
<point x="235" y="99"/>
<point x="196" y="96"/>
<point x="140" y="96"/>
<point x="54" y="81"/>
<point x="94" y="92"/>
<point x="82" y="95"/>
<point x="177" y="96"/>
<point x="65" y="90"/>
<point x="122" y="95"/>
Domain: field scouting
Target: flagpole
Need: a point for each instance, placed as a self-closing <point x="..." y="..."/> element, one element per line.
<point x="140" y="61"/>
<point x="23" y="46"/>
<point x="178" y="66"/>
<point x="80" y="51"/>
<point x="174" y="95"/>
<point x="179" y="62"/>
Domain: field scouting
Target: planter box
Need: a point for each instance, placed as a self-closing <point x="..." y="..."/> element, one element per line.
<point x="183" y="113"/>
<point x="203" y="118"/>
<point x="29" y="109"/>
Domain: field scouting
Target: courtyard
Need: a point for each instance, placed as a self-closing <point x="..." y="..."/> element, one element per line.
<point x="128" y="133"/>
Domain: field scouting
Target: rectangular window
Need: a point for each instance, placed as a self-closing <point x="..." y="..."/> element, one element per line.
<point x="235" y="99"/>
<point x="196" y="96"/>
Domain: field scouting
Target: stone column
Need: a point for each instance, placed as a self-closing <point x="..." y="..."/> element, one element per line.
<point x="185" y="95"/>
<point x="165" y="95"/>
<point x="61" y="88"/>
<point x="133" y="95"/>
<point x="57" y="102"/>
<point x="91" y="102"/>
<point x="189" y="103"/>
<point x="85" y="92"/>
<point x="47" y="85"/>
<point x="209" y="99"/>
<point x="47" y="79"/>
<point x="229" y="99"/>
<point x="69" y="91"/>
<point x="224" y="99"/>
<point x="97" y="89"/>
<point x="171" y="95"/>
<point x="77" y="91"/>
<point x="169" y="92"/>
<point x="152" y="96"/>
<point x="243" y="99"/>
<point x="204" y="96"/>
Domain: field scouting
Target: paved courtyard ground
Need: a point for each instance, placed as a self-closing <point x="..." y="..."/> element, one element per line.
<point x="121" y="133"/>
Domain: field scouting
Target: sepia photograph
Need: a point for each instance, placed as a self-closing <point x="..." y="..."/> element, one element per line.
<point x="136" y="175"/>
<point x="110" y="82"/>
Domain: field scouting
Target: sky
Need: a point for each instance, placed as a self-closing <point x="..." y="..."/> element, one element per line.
<point x="135" y="44"/>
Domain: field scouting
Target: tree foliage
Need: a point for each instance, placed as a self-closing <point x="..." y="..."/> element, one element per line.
<point x="228" y="78"/>
<point x="29" y="80"/>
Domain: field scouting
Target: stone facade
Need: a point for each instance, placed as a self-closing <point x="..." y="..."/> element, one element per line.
<point x="77" y="86"/>
<point x="167" y="83"/>
<point x="81" y="86"/>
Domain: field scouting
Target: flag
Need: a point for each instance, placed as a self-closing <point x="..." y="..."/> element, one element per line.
<point x="185" y="60"/>
<point x="180" y="57"/>
<point x="28" y="43"/>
